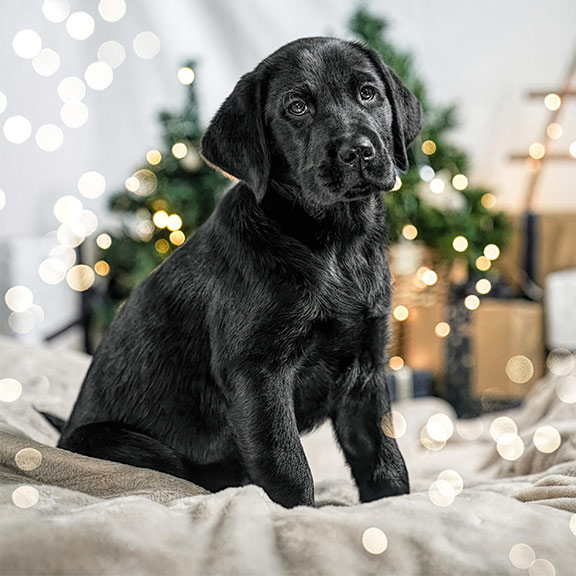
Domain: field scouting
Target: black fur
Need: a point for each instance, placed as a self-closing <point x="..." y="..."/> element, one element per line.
<point x="273" y="316"/>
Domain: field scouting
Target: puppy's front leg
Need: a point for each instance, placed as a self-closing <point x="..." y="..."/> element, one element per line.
<point x="374" y="458"/>
<point x="264" y="425"/>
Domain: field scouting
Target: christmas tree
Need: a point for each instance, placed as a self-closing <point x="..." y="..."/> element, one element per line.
<point x="433" y="202"/>
<point x="162" y="204"/>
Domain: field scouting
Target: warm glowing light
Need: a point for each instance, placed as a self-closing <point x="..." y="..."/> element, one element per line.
<point x="22" y="322"/>
<point x="537" y="151"/>
<point x="102" y="268"/>
<point x="552" y="101"/>
<point x="80" y="277"/>
<point x="160" y="219"/>
<point x="547" y="439"/>
<point x="483" y="286"/>
<point x="441" y="493"/>
<point x="502" y="425"/>
<point x="177" y="237"/>
<point x="56" y="10"/>
<point x="492" y="252"/>
<point x="28" y="459"/>
<point x="52" y="270"/>
<point x="46" y="62"/>
<point x="64" y="253"/>
<point x="10" y="390"/>
<point x="472" y="302"/>
<point x="112" y="10"/>
<point x="174" y="222"/>
<point x="111" y="53"/>
<point x="542" y="567"/>
<point x="554" y="131"/>
<point x="488" y="201"/>
<point x="437" y="185"/>
<point x="132" y="184"/>
<point x="71" y="89"/>
<point x="460" y="244"/>
<point x="17" y="129"/>
<point x="99" y="75"/>
<point x="573" y="149"/>
<point x="429" y="443"/>
<point x="429" y="277"/>
<point x="147" y="182"/>
<point x="453" y="478"/>
<point x="469" y="429"/>
<point x="91" y="184"/>
<point x="428" y="147"/>
<point x="394" y="424"/>
<point x="510" y="447"/>
<point x="80" y="25"/>
<point x="442" y="329"/>
<point x="560" y="361"/>
<point x="68" y="209"/>
<point x="145" y="230"/>
<point x="522" y="556"/>
<point x="179" y="150"/>
<point x="374" y="541"/>
<point x="460" y="182"/>
<point x="519" y="369"/>
<point x="440" y="427"/>
<point x="397" y="184"/>
<point x="401" y="313"/>
<point x="89" y="222"/>
<point x="104" y="241"/>
<point x="566" y="389"/>
<point x="153" y="157"/>
<point x="74" y="114"/>
<point x="49" y="137"/>
<point x="186" y="75"/>
<point x="19" y="298"/>
<point x="146" y="45"/>
<point x="396" y="363"/>
<point x="162" y="246"/>
<point x="483" y="264"/>
<point x="3" y="102"/>
<point x="410" y="232"/>
<point x="27" y="44"/>
<point x="25" y="496"/>
<point x="71" y="234"/>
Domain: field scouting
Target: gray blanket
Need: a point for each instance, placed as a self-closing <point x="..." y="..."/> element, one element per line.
<point x="472" y="511"/>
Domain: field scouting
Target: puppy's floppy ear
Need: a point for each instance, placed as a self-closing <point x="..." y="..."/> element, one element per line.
<point x="406" y="110"/>
<point x="235" y="141"/>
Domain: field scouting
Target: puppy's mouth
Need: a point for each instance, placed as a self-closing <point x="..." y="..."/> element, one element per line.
<point x="367" y="188"/>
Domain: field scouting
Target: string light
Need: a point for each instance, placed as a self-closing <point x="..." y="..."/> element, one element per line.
<point x="488" y="200"/>
<point x="428" y="147"/>
<point x="410" y="232"/>
<point x="460" y="182"/>
<point x="396" y="363"/>
<point x="162" y="246"/>
<point x="146" y="45"/>
<point x="552" y="101"/>
<point x="177" y="237"/>
<point x="492" y="252"/>
<point x="174" y="222"/>
<point x="537" y="151"/>
<point x="460" y="244"/>
<point x="186" y="75"/>
<point x="91" y="184"/>
<point x="179" y="150"/>
<point x="80" y="277"/>
<point x="102" y="268"/>
<point x="442" y="329"/>
<point x="153" y="157"/>
<point x="437" y="186"/>
<point x="160" y="219"/>
<point x="483" y="264"/>
<point x="401" y="313"/>
<point x="483" y="286"/>
<point x="472" y="302"/>
<point x="554" y="131"/>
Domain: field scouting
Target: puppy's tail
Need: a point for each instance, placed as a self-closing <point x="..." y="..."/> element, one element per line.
<point x="57" y="422"/>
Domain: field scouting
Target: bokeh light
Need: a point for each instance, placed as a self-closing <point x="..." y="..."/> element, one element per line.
<point x="146" y="45"/>
<point x="430" y="443"/>
<point x="453" y="478"/>
<point x="440" y="427"/>
<point x="483" y="286"/>
<point x="112" y="10"/>
<point x="502" y="425"/>
<point x="442" y="329"/>
<point x="552" y="101"/>
<point x="554" y="131"/>
<point x="153" y="157"/>
<point x="64" y="253"/>
<point x="161" y="246"/>
<point x="492" y="252"/>
<point x="542" y="567"/>
<point x="10" y="390"/>
<point x="488" y="201"/>
<point x="22" y="322"/>
<point x="537" y="151"/>
<point x="472" y="302"/>
<point x="27" y="44"/>
<point x="147" y="182"/>
<point x="104" y="241"/>
<point x="49" y="137"/>
<point x="17" y="129"/>
<point x="396" y="363"/>
<point x="19" y="298"/>
<point x="469" y="428"/>
<point x="102" y="268"/>
<point x="28" y="459"/>
<point x="401" y="313"/>
<point x="437" y="185"/>
<point x="374" y="541"/>
<point x="111" y="53"/>
<point x="71" y="89"/>
<point x="68" y="209"/>
<point x="394" y="424"/>
<point x="46" y="62"/>
<point x="74" y="114"/>
<point x="89" y="222"/>
<point x="397" y="184"/>
<point x="80" y="25"/>
<point x="410" y="232"/>
<point x="429" y="147"/>
<point x="174" y="222"/>
<point x="572" y="149"/>
<point x="80" y="277"/>
<point x="99" y="75"/>
<point x="160" y="219"/>
<point x="52" y="271"/>
<point x="460" y="182"/>
<point x="460" y="244"/>
<point x="483" y="264"/>
<point x="25" y="496"/>
<point x="560" y="361"/>
<point x="547" y="439"/>
<point x="429" y="277"/>
<point x="56" y="10"/>
<point x="522" y="556"/>
<point x="177" y="237"/>
<point x="70" y="234"/>
<point x="566" y="389"/>
<point x="132" y="184"/>
<point x="441" y="493"/>
<point x="510" y="447"/>
<point x="186" y="75"/>
<point x="519" y="369"/>
<point x="426" y="173"/>
<point x="179" y="150"/>
<point x="92" y="184"/>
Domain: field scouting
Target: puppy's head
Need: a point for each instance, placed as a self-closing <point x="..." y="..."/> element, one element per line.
<point x="325" y="118"/>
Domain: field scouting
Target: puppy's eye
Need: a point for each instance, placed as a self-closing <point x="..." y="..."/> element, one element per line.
<point x="367" y="93"/>
<point x="297" y="107"/>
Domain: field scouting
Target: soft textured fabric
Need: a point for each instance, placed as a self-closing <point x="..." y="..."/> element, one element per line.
<point x="87" y="516"/>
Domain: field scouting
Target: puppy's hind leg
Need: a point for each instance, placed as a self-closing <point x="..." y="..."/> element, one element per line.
<point x="112" y="441"/>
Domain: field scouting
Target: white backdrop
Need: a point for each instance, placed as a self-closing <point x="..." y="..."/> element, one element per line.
<point x="484" y="56"/>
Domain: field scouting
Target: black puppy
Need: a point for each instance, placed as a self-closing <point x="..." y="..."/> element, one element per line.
<point x="273" y="316"/>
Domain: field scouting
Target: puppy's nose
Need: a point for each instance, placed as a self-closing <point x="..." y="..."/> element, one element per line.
<point x="359" y="148"/>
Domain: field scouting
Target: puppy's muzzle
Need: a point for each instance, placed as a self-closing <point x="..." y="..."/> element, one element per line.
<point x="356" y="151"/>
